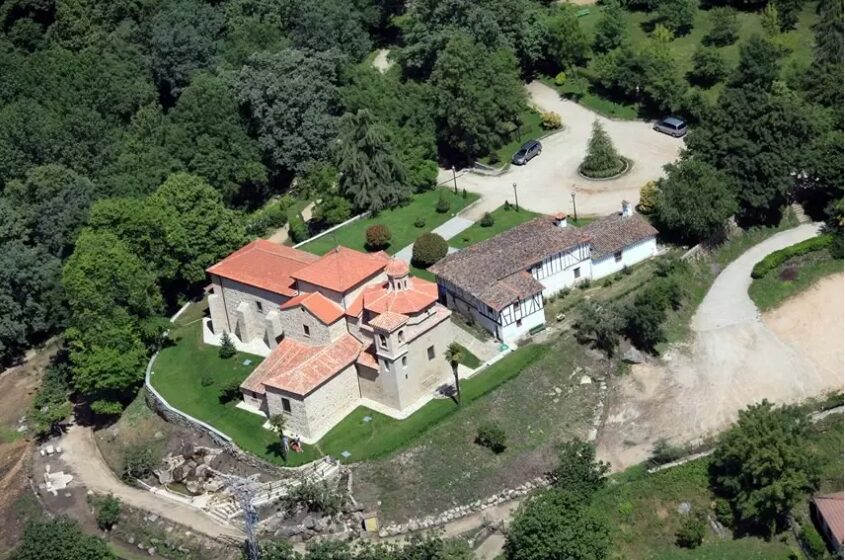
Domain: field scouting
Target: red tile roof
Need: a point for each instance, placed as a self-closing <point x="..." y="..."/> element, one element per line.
<point x="342" y="269"/>
<point x="830" y="508"/>
<point x="397" y="267"/>
<point x="319" y="305"/>
<point x="388" y="321"/>
<point x="265" y="265"/>
<point x="417" y="296"/>
<point x="300" y="368"/>
<point x="367" y="357"/>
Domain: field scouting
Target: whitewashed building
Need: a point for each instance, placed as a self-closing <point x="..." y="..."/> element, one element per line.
<point x="500" y="283"/>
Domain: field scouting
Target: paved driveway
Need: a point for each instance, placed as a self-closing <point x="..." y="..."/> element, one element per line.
<point x="734" y="360"/>
<point x="447" y="231"/>
<point x="545" y="184"/>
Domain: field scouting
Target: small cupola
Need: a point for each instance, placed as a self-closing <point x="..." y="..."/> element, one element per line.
<point x="397" y="275"/>
<point x="560" y="220"/>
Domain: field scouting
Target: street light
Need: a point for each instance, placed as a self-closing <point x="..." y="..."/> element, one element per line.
<point x="455" y="179"/>
<point x="515" y="197"/>
<point x="574" y="208"/>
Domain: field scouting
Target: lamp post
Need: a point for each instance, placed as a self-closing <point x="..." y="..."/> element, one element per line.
<point x="455" y="179"/>
<point x="574" y="208"/>
<point x="515" y="197"/>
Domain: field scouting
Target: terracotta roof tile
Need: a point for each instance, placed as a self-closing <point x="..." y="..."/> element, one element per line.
<point x="388" y="321"/>
<point x="299" y="368"/>
<point x="510" y="290"/>
<point x="480" y="266"/>
<point x="367" y="357"/>
<point x="397" y="267"/>
<point x="417" y="296"/>
<point x="319" y="305"/>
<point x="342" y="269"/>
<point x="265" y="265"/>
<point x="615" y="232"/>
<point x="830" y="508"/>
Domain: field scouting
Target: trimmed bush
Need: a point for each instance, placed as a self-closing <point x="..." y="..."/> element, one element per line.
<point x="377" y="237"/>
<point x="492" y="437"/>
<point x="772" y="261"/>
<point x="648" y="197"/>
<point x="487" y="220"/>
<point x="227" y="347"/>
<point x="206" y="381"/>
<point x="443" y="203"/>
<point x="298" y="229"/>
<point x="550" y="120"/>
<point x="419" y="222"/>
<point x="428" y="249"/>
<point x="230" y="392"/>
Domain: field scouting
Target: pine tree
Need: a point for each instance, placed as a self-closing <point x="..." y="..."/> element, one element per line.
<point x="602" y="158"/>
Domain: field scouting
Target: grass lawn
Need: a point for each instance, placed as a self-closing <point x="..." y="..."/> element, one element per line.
<point x="639" y="25"/>
<point x="530" y="129"/>
<point x="470" y="360"/>
<point x="383" y="435"/>
<point x="399" y="220"/>
<point x="779" y="285"/>
<point x="178" y="374"/>
<point x="503" y="220"/>
<point x="541" y="407"/>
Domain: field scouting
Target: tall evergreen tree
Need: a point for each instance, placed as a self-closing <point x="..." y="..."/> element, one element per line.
<point x="371" y="174"/>
<point x="602" y="159"/>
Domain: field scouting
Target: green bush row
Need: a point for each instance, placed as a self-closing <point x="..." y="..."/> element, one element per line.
<point x="774" y="260"/>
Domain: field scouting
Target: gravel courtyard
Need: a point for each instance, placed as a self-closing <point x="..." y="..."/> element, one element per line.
<point x="546" y="182"/>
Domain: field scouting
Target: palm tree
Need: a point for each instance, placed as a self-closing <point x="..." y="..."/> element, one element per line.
<point x="455" y="356"/>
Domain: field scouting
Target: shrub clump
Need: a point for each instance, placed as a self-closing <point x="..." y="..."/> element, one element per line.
<point x="691" y="532"/>
<point x="377" y="237"/>
<point x="297" y="228"/>
<point x="602" y="159"/>
<point x="773" y="260"/>
<point x="492" y="437"/>
<point x="428" y="249"/>
<point x="649" y="194"/>
<point x="138" y="462"/>
<point x="419" y="222"/>
<point x="487" y="220"/>
<point x="108" y="511"/>
<point x="230" y="392"/>
<point x="227" y="347"/>
<point x="550" y="120"/>
<point x="813" y="542"/>
<point x="560" y="79"/>
<point x="443" y="204"/>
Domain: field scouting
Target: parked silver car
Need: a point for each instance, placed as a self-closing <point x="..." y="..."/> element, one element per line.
<point x="527" y="152"/>
<point x="672" y="126"/>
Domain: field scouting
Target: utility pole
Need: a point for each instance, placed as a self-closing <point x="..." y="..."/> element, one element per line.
<point x="455" y="179"/>
<point x="574" y="208"/>
<point x="244" y="491"/>
<point x="515" y="197"/>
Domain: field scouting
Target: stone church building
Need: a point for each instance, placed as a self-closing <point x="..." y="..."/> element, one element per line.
<point x="338" y="331"/>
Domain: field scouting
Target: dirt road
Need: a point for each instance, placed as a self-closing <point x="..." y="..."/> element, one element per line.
<point x="735" y="359"/>
<point x="546" y="182"/>
<point x="88" y="467"/>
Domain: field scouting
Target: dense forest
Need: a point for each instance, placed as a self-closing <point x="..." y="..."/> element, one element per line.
<point x="140" y="140"/>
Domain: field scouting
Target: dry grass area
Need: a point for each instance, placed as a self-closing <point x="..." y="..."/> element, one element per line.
<point x="543" y="406"/>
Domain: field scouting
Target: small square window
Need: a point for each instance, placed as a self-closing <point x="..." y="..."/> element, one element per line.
<point x="260" y="306"/>
<point x="307" y="330"/>
<point x="577" y="272"/>
<point x="286" y="405"/>
<point x="431" y="352"/>
<point x="617" y="256"/>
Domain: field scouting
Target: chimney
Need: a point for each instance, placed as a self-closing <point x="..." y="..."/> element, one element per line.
<point x="560" y="220"/>
<point x="627" y="210"/>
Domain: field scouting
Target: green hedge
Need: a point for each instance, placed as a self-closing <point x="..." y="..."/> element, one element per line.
<point x="774" y="260"/>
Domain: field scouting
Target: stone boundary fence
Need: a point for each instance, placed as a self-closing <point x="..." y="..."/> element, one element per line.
<point x="157" y="403"/>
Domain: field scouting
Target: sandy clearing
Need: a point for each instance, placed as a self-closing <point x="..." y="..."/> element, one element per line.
<point x="810" y="322"/>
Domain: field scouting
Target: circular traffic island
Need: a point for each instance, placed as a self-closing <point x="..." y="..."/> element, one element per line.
<point x="602" y="161"/>
<point x="611" y="170"/>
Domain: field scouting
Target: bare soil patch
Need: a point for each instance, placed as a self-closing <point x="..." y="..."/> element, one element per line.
<point x="813" y="322"/>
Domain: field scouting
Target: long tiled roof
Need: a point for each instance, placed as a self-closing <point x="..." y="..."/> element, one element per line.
<point x="615" y="232"/>
<point x="830" y="507"/>
<point x="265" y="265"/>
<point x="481" y="268"/>
<point x="299" y="368"/>
<point x="319" y="305"/>
<point x="342" y="269"/>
